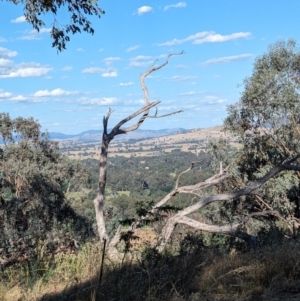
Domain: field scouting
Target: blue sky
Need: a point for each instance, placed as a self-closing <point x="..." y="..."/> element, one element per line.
<point x="70" y="92"/>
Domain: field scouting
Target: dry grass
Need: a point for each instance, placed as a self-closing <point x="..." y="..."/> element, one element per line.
<point x="269" y="273"/>
<point x="167" y="143"/>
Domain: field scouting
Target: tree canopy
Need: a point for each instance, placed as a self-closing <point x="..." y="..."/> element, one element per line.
<point x="79" y="11"/>
<point x="34" y="177"/>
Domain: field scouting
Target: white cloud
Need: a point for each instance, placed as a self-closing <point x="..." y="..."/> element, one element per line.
<point x="178" y="5"/>
<point x="207" y="37"/>
<point x="5" y="62"/>
<point x="132" y="48"/>
<point x="4" y="52"/>
<point x="226" y="59"/>
<point x="217" y="38"/>
<point x="144" y="9"/>
<point x="188" y="93"/>
<point x="101" y="49"/>
<point x="67" y="68"/>
<point x="34" y="34"/>
<point x="141" y="57"/>
<point x="42" y="30"/>
<point x="98" y="101"/>
<point x="23" y="71"/>
<point x="110" y="73"/>
<point x="126" y="84"/>
<point x="139" y="64"/>
<point x="55" y="92"/>
<point x="8" y="69"/>
<point x="134" y="102"/>
<point x="4" y="94"/>
<point x="181" y="67"/>
<point x="19" y="98"/>
<point x="19" y="20"/>
<point x="80" y="49"/>
<point x="93" y="70"/>
<point x="211" y="100"/>
<point x="2" y="40"/>
<point x="140" y="61"/>
<point x="182" y="78"/>
<point x="111" y="59"/>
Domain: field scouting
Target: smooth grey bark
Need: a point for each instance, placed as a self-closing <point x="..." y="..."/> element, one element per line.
<point x="108" y="137"/>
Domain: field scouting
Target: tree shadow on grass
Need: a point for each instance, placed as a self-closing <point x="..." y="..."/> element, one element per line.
<point x="153" y="277"/>
<point x="266" y="273"/>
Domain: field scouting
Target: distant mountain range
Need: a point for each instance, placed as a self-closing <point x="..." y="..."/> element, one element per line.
<point x="95" y="135"/>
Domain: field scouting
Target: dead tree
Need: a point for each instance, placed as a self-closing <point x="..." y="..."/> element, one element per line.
<point x="142" y="114"/>
<point x="181" y="217"/>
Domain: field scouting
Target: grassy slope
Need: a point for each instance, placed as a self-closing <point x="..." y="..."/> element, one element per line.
<point x="269" y="273"/>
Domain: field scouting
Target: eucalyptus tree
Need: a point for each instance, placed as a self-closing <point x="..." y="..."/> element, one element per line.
<point x="267" y="122"/>
<point x="258" y="180"/>
<point x="79" y="12"/>
<point x="34" y="177"/>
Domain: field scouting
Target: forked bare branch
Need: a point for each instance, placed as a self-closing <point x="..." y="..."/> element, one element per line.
<point x="181" y="216"/>
<point x="151" y="69"/>
<point x="117" y="130"/>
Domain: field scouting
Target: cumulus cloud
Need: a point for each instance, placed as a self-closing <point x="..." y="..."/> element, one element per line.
<point x="4" y="52"/>
<point x="23" y="70"/>
<point x="181" y="67"/>
<point x="140" y="61"/>
<point x="5" y="62"/>
<point x="4" y="94"/>
<point x="92" y="70"/>
<point x="178" y="5"/>
<point x="67" y="68"/>
<point x="144" y="9"/>
<point x="19" y="98"/>
<point x="188" y="93"/>
<point x="55" y="92"/>
<point x="110" y="73"/>
<point x="132" y="48"/>
<point x="19" y="20"/>
<point x="126" y="84"/>
<point x="211" y="100"/>
<point x="207" y="37"/>
<point x="111" y="59"/>
<point x="216" y="38"/>
<point x="226" y="59"/>
<point x="134" y="102"/>
<point x="8" y="69"/>
<point x="104" y="101"/>
<point x="34" y="34"/>
<point x="182" y="78"/>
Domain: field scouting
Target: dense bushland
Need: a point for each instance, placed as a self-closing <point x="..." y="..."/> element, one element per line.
<point x="251" y="193"/>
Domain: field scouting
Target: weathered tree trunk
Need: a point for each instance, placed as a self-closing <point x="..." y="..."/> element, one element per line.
<point x="99" y="200"/>
<point x="106" y="139"/>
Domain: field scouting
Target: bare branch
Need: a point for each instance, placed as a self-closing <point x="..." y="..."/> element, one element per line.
<point x="105" y="120"/>
<point x="261" y="213"/>
<point x="149" y="71"/>
<point x="247" y="190"/>
<point x="216" y="179"/>
<point x="233" y="230"/>
<point x="106" y="139"/>
<point x="165" y="115"/>
<point x="116" y="130"/>
<point x="182" y="173"/>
